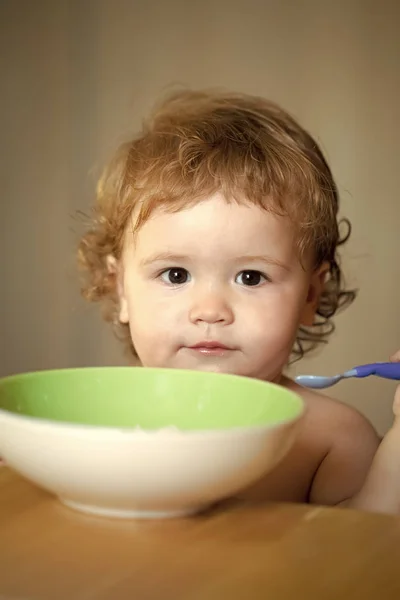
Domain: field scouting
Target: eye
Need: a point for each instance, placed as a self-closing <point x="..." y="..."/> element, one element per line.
<point x="250" y="278"/>
<point x="175" y="276"/>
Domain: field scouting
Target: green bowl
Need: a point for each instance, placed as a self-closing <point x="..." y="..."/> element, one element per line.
<point x="141" y="442"/>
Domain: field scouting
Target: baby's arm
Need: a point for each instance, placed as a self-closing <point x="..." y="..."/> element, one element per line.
<point x="381" y="490"/>
<point x="357" y="472"/>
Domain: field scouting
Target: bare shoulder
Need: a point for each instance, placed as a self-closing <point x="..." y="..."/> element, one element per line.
<point x="329" y="460"/>
<point x="349" y="443"/>
<point x="333" y="416"/>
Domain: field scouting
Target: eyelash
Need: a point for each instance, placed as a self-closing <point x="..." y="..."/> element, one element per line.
<point x="263" y="276"/>
<point x="164" y="271"/>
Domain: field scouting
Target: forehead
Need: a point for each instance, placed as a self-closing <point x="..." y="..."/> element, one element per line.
<point x="217" y="226"/>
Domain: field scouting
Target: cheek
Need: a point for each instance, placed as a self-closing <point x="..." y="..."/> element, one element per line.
<point x="152" y="320"/>
<point x="149" y="336"/>
<point x="275" y="317"/>
<point x="143" y="306"/>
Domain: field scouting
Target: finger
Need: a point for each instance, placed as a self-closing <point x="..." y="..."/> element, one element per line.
<point x="396" y="356"/>
<point x="396" y="404"/>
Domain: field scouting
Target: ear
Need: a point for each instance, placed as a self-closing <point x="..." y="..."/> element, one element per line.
<point x="315" y="289"/>
<point x="114" y="268"/>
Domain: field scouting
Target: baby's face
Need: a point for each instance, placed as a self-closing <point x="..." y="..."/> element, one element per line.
<point x="217" y="287"/>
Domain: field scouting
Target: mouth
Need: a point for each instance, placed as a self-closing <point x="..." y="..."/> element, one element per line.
<point x="211" y="348"/>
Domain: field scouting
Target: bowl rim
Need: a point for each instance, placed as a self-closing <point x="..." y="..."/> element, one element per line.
<point x="170" y="431"/>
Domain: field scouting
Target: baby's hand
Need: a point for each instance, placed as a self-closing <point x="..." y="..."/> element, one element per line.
<point x="381" y="490"/>
<point x="396" y="403"/>
<point x="395" y="357"/>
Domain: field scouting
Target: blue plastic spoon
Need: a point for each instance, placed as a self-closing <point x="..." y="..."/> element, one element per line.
<point x="390" y="370"/>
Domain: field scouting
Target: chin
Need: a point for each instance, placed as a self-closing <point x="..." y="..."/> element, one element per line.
<point x="210" y="368"/>
<point x="215" y="367"/>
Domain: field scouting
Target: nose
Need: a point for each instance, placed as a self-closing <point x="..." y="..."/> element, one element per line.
<point x="210" y="307"/>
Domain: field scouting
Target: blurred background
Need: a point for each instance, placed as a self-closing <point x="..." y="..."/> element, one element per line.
<point x="77" y="76"/>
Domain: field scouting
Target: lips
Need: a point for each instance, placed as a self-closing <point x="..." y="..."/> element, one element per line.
<point x="210" y="345"/>
<point x="210" y="348"/>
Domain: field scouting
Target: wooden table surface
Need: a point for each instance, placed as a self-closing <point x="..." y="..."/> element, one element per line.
<point x="241" y="551"/>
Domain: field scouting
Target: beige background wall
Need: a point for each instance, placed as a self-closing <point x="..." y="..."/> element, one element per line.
<point x="77" y="75"/>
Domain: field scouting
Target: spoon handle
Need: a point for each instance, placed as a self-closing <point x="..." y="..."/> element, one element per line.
<point x="390" y="370"/>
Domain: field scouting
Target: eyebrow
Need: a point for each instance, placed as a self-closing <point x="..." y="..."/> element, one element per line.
<point x="162" y="257"/>
<point x="265" y="259"/>
<point x="179" y="258"/>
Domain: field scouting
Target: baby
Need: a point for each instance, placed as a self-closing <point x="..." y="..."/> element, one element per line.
<point x="214" y="247"/>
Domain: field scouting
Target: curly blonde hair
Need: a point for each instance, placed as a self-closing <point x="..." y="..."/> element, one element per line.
<point x="197" y="143"/>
